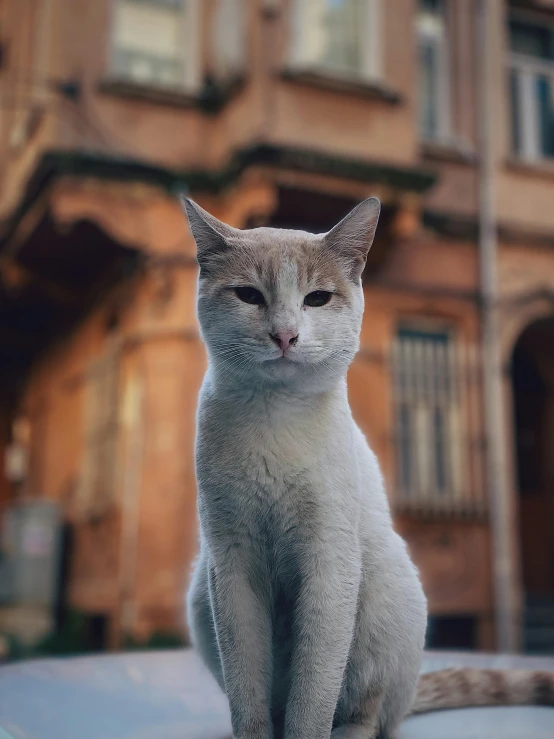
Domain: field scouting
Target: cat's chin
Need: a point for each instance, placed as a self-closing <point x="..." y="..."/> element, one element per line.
<point x="297" y="375"/>
<point x="281" y="368"/>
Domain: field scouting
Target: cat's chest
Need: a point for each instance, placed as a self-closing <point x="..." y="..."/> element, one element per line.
<point x="271" y="483"/>
<point x="269" y="476"/>
<point x="264" y="467"/>
<point x="273" y="456"/>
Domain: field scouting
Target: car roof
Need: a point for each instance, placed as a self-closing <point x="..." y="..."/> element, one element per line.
<point x="170" y="695"/>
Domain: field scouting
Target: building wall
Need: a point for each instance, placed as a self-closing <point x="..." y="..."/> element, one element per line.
<point x="144" y="553"/>
<point x="132" y="553"/>
<point x="175" y="133"/>
<point x="133" y="522"/>
<point x="72" y="42"/>
<point x="133" y="545"/>
<point x="452" y="551"/>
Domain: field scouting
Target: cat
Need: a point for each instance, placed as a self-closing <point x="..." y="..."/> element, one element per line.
<point x="304" y="603"/>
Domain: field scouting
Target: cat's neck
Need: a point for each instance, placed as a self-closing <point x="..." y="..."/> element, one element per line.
<point x="282" y="397"/>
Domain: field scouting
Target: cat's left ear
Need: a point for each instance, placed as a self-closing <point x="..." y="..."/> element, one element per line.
<point x="351" y="239"/>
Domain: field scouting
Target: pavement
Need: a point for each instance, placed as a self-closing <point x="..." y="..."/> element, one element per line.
<point x="170" y="695"/>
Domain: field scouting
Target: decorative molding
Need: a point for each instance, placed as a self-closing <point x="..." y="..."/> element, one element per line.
<point x="210" y="98"/>
<point x="374" y="90"/>
<point x="449" y="151"/>
<point x="54" y="164"/>
<point x="459" y="227"/>
<point x="452" y="225"/>
<point x="415" y="179"/>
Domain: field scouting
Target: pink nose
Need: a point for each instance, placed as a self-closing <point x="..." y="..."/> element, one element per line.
<point x="284" y="339"/>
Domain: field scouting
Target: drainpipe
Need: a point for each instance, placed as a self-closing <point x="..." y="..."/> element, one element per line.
<point x="506" y="613"/>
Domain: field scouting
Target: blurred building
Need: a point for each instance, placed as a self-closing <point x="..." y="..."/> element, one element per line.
<point x="287" y="113"/>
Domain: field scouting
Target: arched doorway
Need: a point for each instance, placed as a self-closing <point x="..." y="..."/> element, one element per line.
<point x="532" y="370"/>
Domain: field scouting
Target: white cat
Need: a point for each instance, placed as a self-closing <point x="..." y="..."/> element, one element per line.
<point x="304" y="603"/>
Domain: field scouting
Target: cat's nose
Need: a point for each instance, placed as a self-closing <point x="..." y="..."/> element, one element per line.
<point x="284" y="339"/>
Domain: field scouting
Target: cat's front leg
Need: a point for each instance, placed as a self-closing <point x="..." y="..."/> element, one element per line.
<point x="243" y="630"/>
<point x="323" y="627"/>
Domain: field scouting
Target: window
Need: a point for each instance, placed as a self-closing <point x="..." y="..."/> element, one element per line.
<point x="340" y="37"/>
<point x="154" y="42"/>
<point x="532" y="89"/>
<point x="434" y="102"/>
<point x="229" y="32"/>
<point x="428" y="418"/>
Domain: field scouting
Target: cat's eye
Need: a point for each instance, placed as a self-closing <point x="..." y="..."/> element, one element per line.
<point x="318" y="298"/>
<point x="250" y="295"/>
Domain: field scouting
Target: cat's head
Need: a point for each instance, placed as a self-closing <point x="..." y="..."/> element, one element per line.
<point x="280" y="306"/>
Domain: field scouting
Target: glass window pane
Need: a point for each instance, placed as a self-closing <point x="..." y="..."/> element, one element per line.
<point x="431" y="18"/>
<point x="532" y="40"/>
<point x="431" y="27"/>
<point x="546" y="115"/>
<point x="428" y="90"/>
<point x="431" y="6"/>
<point x="342" y="33"/>
<point x="515" y="103"/>
<point x="149" y="44"/>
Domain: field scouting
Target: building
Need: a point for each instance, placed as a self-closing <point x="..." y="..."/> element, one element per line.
<point x="287" y="113"/>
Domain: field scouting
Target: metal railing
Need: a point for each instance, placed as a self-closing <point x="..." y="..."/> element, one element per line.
<point x="438" y="442"/>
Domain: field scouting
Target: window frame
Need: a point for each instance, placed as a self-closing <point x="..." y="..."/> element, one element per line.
<point x="371" y="70"/>
<point x="527" y="115"/>
<point x="192" y="78"/>
<point x="443" y="134"/>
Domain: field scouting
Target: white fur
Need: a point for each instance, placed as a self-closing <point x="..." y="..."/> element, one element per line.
<point x="304" y="603"/>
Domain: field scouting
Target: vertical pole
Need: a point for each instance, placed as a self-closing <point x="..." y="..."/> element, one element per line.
<point x="133" y="421"/>
<point x="506" y="621"/>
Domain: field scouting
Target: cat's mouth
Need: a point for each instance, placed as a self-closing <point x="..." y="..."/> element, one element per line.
<point x="282" y="358"/>
<point x="283" y="362"/>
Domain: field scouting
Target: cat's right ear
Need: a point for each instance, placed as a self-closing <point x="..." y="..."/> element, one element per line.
<point x="211" y="235"/>
<point x="351" y="239"/>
